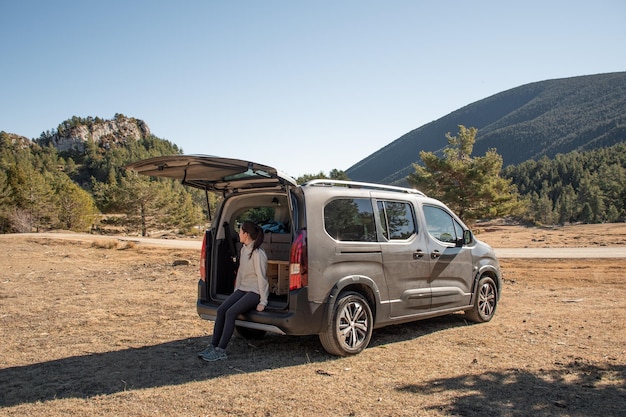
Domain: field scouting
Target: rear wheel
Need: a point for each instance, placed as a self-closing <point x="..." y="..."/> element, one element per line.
<point x="349" y="328"/>
<point x="485" y="302"/>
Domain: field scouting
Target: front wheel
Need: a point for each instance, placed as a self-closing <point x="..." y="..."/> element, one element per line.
<point x="485" y="302"/>
<point x="350" y="325"/>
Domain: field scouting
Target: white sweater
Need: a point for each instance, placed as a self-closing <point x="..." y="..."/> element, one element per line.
<point x="251" y="275"/>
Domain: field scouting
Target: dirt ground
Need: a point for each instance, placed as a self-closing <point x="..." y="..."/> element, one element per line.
<point x="107" y="328"/>
<point x="499" y="234"/>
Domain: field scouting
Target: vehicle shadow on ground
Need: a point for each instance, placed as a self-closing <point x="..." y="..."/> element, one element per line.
<point x="570" y="389"/>
<point x="411" y="330"/>
<point x="176" y="362"/>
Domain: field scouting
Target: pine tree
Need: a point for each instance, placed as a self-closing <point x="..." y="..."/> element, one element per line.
<point x="470" y="186"/>
<point x="141" y="199"/>
<point x="76" y="208"/>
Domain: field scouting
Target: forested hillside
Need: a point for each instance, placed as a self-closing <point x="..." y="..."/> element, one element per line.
<point x="42" y="188"/>
<point x="528" y="122"/>
<point x="588" y="187"/>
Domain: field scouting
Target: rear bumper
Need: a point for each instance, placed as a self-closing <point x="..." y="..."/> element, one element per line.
<point x="300" y="318"/>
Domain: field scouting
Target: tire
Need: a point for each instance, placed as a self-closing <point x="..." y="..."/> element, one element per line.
<point x="485" y="303"/>
<point x="350" y="325"/>
<point x="250" y="334"/>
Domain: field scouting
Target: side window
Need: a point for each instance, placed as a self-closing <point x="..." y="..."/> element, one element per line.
<point x="441" y="225"/>
<point x="397" y="220"/>
<point x="351" y="220"/>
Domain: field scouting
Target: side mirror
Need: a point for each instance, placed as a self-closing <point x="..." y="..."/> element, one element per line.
<point x="465" y="240"/>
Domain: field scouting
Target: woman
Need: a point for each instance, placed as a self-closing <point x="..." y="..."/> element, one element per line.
<point x="251" y="290"/>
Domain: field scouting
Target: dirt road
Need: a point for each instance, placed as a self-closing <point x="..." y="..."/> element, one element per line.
<point x="594" y="252"/>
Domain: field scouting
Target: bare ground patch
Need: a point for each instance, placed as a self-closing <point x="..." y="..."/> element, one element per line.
<point x="501" y="235"/>
<point x="97" y="330"/>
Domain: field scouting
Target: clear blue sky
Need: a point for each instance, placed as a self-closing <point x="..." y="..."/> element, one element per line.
<point x="305" y="86"/>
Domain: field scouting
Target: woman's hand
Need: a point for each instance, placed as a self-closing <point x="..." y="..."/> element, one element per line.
<point x="260" y="307"/>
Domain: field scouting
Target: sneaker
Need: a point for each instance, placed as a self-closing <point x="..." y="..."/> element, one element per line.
<point x="208" y="349"/>
<point x="217" y="354"/>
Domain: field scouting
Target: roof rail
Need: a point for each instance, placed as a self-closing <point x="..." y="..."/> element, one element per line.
<point x="356" y="184"/>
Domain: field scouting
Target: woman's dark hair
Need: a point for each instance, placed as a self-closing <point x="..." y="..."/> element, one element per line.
<point x="255" y="232"/>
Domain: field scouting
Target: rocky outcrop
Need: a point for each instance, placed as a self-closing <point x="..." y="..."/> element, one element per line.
<point x="73" y="134"/>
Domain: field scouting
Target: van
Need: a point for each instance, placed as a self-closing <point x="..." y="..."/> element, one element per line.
<point x="344" y="257"/>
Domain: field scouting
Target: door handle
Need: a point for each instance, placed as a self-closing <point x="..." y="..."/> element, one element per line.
<point x="418" y="254"/>
<point x="435" y="254"/>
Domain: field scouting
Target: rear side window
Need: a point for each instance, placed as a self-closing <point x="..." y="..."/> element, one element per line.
<point x="396" y="219"/>
<point x="350" y="220"/>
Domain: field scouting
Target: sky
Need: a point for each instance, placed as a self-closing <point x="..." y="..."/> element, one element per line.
<point x="303" y="86"/>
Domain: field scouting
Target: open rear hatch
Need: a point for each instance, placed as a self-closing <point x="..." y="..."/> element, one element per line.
<point x="213" y="173"/>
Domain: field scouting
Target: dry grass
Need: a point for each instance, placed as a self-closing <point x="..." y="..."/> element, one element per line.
<point x="94" y="330"/>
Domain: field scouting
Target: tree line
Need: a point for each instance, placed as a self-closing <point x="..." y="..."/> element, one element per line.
<point x="42" y="189"/>
<point x="587" y="187"/>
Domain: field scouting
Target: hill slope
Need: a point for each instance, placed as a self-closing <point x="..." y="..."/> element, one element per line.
<point x="527" y="122"/>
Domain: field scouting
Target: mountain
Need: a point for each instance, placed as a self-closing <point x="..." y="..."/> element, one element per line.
<point x="538" y="119"/>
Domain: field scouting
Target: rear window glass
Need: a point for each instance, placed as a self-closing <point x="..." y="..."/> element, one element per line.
<point x="396" y="219"/>
<point x="271" y="219"/>
<point x="350" y="220"/>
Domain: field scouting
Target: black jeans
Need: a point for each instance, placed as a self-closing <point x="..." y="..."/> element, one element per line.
<point x="237" y="303"/>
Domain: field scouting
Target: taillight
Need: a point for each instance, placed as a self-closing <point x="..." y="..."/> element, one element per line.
<point x="298" y="271"/>
<point x="203" y="259"/>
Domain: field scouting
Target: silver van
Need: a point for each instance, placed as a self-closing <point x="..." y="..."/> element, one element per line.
<point x="344" y="257"/>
